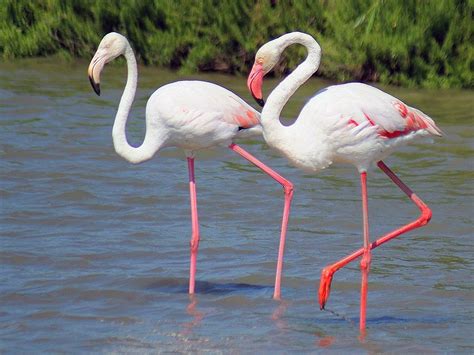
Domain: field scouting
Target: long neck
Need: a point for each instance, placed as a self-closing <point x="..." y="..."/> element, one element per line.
<point x="150" y="144"/>
<point x="276" y="134"/>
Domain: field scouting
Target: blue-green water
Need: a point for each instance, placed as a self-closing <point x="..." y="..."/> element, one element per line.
<point x="94" y="251"/>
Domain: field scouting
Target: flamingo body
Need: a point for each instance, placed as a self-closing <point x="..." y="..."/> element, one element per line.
<point x="195" y="115"/>
<point x="353" y="123"/>
<point x="191" y="115"/>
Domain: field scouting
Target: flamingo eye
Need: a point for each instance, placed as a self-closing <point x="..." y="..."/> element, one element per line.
<point x="259" y="60"/>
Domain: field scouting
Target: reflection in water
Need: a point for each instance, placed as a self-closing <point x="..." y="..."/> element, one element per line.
<point x="92" y="256"/>
<point x="197" y="315"/>
<point x="278" y="317"/>
<point x="324" y="341"/>
<point x="341" y="316"/>
<point x="279" y="312"/>
<point x="362" y="335"/>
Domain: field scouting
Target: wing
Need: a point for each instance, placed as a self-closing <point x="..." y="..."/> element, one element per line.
<point x="201" y="97"/>
<point x="234" y="110"/>
<point x="367" y="106"/>
<point x="197" y="114"/>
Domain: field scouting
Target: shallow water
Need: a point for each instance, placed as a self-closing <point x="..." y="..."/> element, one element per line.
<point x="94" y="251"/>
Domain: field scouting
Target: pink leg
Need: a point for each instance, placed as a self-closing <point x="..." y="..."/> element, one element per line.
<point x="365" y="262"/>
<point x="328" y="272"/>
<point x="289" y="189"/>
<point x="194" y="244"/>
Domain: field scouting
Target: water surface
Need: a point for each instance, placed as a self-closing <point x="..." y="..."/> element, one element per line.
<point x="95" y="251"/>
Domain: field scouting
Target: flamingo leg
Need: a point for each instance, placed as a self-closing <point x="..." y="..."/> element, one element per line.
<point x="288" y="189"/>
<point x="328" y="272"/>
<point x="194" y="243"/>
<point x="365" y="261"/>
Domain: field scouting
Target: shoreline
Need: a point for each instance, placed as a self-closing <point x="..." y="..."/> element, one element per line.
<point x="422" y="44"/>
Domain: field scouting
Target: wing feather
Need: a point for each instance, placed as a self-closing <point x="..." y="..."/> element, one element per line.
<point x="360" y="104"/>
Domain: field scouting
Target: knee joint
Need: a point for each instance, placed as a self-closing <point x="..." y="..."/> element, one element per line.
<point x="426" y="215"/>
<point x="194" y="243"/>
<point x="365" y="262"/>
<point x="289" y="188"/>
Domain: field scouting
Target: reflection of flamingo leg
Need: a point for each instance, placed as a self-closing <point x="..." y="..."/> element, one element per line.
<point x="279" y="313"/>
<point x="192" y="310"/>
<point x="196" y="315"/>
<point x="288" y="189"/>
<point x="328" y="272"/>
<point x="194" y="243"/>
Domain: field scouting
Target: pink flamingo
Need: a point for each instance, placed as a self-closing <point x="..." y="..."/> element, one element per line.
<point x="350" y="123"/>
<point x="191" y="115"/>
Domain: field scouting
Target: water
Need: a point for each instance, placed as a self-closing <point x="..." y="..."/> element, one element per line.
<point x="94" y="251"/>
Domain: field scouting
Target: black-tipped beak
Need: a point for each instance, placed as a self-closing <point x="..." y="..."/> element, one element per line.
<point x="254" y="83"/>
<point x="261" y="102"/>
<point x="95" y="86"/>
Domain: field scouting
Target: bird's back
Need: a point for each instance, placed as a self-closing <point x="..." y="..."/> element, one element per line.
<point x="361" y="104"/>
<point x="199" y="114"/>
<point x="360" y="124"/>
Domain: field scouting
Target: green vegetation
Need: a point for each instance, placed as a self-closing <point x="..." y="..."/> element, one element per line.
<point x="404" y="42"/>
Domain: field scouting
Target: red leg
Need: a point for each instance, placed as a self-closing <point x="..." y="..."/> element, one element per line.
<point x="365" y="261"/>
<point x="328" y="272"/>
<point x="288" y="188"/>
<point x="194" y="244"/>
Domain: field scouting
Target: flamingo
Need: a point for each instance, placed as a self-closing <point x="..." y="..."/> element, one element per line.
<point x="350" y="123"/>
<point x="191" y="115"/>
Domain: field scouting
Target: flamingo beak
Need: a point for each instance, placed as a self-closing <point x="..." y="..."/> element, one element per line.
<point x="94" y="70"/>
<point x="254" y="83"/>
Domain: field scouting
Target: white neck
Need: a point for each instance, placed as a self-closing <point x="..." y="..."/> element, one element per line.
<point x="276" y="134"/>
<point x="150" y="144"/>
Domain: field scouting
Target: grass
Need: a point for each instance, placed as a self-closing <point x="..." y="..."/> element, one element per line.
<point x="403" y="42"/>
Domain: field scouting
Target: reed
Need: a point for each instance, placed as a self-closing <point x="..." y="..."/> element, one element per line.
<point x="403" y="42"/>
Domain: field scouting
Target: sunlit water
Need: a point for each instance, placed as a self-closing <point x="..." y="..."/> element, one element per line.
<point x="95" y="251"/>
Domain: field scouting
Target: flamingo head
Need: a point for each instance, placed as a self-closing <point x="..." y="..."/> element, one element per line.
<point x="112" y="45"/>
<point x="266" y="58"/>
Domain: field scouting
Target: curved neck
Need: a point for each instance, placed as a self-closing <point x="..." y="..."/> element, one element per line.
<point x="150" y="144"/>
<point x="275" y="133"/>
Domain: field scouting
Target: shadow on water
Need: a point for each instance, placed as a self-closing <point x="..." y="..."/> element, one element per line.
<point x="230" y="288"/>
<point x="404" y="320"/>
<point x="179" y="286"/>
<point x="386" y="320"/>
<point x="93" y="247"/>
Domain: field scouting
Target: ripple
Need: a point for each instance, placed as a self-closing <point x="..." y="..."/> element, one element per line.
<point x="95" y="251"/>
<point x="75" y="195"/>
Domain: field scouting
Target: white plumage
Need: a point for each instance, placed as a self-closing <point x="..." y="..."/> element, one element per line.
<point x="191" y="115"/>
<point x="350" y="123"/>
<point x="359" y="124"/>
<point x="195" y="115"/>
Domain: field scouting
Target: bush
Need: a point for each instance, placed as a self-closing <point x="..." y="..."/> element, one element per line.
<point x="402" y="42"/>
